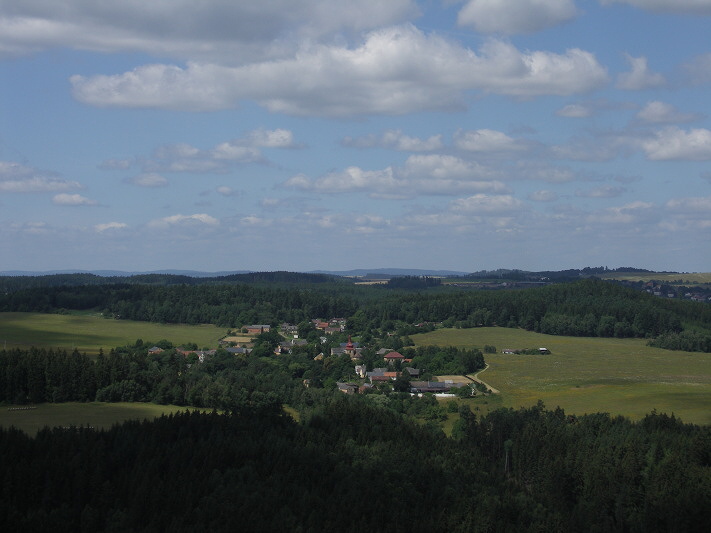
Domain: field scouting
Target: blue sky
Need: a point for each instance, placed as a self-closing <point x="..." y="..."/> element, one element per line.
<point x="321" y="135"/>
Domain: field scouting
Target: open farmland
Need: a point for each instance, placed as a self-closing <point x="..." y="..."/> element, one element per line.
<point x="89" y="333"/>
<point x="586" y="375"/>
<point x="694" y="278"/>
<point x="96" y="415"/>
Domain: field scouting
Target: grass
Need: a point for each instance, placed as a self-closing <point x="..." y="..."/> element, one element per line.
<point x="586" y="375"/>
<point x="95" y="414"/>
<point x="695" y="278"/>
<point x="88" y="333"/>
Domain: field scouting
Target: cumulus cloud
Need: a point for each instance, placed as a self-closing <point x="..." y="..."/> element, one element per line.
<point x="217" y="30"/>
<point x="200" y="219"/>
<point x="575" y="111"/>
<point x="279" y="138"/>
<point x="148" y="179"/>
<point x="72" y="199"/>
<point x="701" y="205"/>
<point x="487" y="204"/>
<point x="640" y="77"/>
<point x="395" y="70"/>
<point x="673" y="143"/>
<point x="543" y="196"/>
<point x="396" y="140"/>
<point x="515" y="16"/>
<point x="691" y="7"/>
<point x="487" y="141"/>
<point x="100" y="228"/>
<point x="630" y="213"/>
<point x="421" y="174"/>
<point x="602" y="192"/>
<point x="663" y="113"/>
<point x="15" y="177"/>
<point x="224" y="190"/>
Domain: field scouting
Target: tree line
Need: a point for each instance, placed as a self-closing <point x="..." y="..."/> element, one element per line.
<point x="590" y="307"/>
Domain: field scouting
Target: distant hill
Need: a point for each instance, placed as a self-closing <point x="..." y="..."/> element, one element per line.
<point x="122" y="273"/>
<point x="386" y="272"/>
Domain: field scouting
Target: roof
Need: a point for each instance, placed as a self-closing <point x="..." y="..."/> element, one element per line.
<point x="394" y="355"/>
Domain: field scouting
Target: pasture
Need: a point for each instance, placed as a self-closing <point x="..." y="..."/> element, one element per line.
<point x="586" y="375"/>
<point x="96" y="415"/>
<point x="693" y="278"/>
<point x="89" y="332"/>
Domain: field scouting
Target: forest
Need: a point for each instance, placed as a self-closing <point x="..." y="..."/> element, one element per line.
<point x="352" y="466"/>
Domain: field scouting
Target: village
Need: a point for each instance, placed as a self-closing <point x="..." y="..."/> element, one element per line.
<point x="384" y="371"/>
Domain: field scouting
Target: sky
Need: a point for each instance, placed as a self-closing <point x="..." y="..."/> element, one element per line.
<point x="303" y="135"/>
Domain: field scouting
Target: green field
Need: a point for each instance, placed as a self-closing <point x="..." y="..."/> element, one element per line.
<point x="586" y="375"/>
<point x="89" y="333"/>
<point x="694" y="278"/>
<point x="95" y="414"/>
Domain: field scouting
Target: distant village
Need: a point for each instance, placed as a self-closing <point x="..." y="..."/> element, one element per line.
<point x="395" y="367"/>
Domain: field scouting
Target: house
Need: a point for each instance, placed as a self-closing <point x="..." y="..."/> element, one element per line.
<point x="288" y="346"/>
<point x="257" y="329"/>
<point x="238" y="351"/>
<point x="347" y="388"/>
<point x="413" y="372"/>
<point x="155" y="350"/>
<point x="391" y="357"/>
<point x="201" y="354"/>
<point x="381" y="375"/>
<point x="360" y="371"/>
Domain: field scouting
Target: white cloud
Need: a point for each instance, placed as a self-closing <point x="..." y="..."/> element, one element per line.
<point x="394" y="71"/>
<point x="109" y="226"/>
<point x="279" y="138"/>
<point x="686" y="205"/>
<point x="640" y="77"/>
<point x="227" y="191"/>
<point x="487" y="204"/>
<point x="396" y="140"/>
<point x="421" y="174"/>
<point x="673" y="143"/>
<point x="72" y="199"/>
<point x="515" y="16"/>
<point x="234" y="151"/>
<point x="15" y="177"/>
<point x="485" y="140"/>
<point x="692" y="7"/>
<point x="543" y="196"/>
<point x="148" y="179"/>
<point x="626" y="214"/>
<point x="662" y="113"/>
<point x="602" y="192"/>
<point x="184" y="220"/>
<point x="575" y="111"/>
<point x="217" y="30"/>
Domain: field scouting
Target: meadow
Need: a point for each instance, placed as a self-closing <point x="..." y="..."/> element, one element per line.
<point x="96" y="415"/>
<point x="693" y="278"/>
<point x="587" y="375"/>
<point x="90" y="332"/>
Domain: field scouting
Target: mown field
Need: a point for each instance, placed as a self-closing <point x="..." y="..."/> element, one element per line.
<point x="95" y="414"/>
<point x="89" y="333"/>
<point x="694" y="278"/>
<point x="586" y="375"/>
